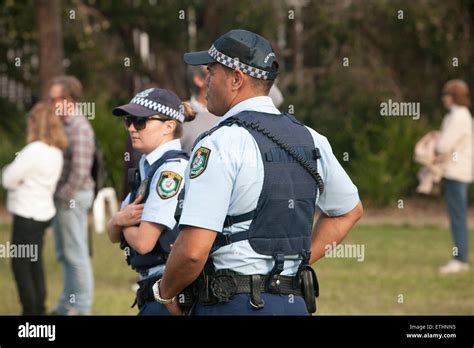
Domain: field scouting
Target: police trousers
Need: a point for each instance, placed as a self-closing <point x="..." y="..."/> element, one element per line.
<point x="240" y="305"/>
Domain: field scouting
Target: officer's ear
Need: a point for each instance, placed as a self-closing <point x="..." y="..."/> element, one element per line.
<point x="170" y="126"/>
<point x="237" y="79"/>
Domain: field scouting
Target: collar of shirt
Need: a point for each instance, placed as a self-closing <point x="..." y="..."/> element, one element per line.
<point x="156" y="154"/>
<point x="260" y="104"/>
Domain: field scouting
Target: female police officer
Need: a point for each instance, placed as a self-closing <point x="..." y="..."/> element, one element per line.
<point x="272" y="172"/>
<point x="145" y="225"/>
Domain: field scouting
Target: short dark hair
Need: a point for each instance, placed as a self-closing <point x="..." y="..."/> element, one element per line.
<point x="191" y="72"/>
<point x="262" y="85"/>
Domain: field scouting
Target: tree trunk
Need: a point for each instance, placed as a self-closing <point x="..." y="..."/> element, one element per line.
<point x="298" y="45"/>
<point x="50" y="42"/>
<point x="211" y="20"/>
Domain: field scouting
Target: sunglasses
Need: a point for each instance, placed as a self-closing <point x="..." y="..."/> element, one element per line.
<point x="139" y="123"/>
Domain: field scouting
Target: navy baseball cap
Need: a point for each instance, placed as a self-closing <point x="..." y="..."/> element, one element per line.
<point x="150" y="102"/>
<point x="240" y="49"/>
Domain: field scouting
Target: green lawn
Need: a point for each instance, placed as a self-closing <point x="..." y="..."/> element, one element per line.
<point x="398" y="261"/>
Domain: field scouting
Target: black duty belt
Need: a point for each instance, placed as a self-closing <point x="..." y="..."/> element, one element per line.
<point x="285" y="284"/>
<point x="223" y="285"/>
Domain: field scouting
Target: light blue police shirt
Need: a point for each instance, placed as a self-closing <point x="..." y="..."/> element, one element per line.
<point x="231" y="184"/>
<point x="160" y="210"/>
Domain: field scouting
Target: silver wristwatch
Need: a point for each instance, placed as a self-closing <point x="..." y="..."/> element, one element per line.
<point x="156" y="293"/>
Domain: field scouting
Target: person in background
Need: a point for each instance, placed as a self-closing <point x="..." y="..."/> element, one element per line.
<point x="455" y="140"/>
<point x="74" y="197"/>
<point x="196" y="81"/>
<point x="31" y="180"/>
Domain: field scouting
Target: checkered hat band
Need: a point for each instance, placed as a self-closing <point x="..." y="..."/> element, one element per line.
<point x="159" y="108"/>
<point x="236" y="64"/>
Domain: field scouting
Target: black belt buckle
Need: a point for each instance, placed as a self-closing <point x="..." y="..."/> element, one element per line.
<point x="223" y="285"/>
<point x="274" y="285"/>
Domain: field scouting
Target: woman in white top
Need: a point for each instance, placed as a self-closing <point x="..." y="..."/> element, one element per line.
<point x="31" y="181"/>
<point x="456" y="142"/>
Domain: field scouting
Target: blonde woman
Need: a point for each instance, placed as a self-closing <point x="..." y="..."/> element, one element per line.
<point x="145" y="226"/>
<point x="31" y="181"/>
<point x="455" y="141"/>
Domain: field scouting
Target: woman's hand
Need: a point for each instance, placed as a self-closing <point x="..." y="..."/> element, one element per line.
<point x="131" y="214"/>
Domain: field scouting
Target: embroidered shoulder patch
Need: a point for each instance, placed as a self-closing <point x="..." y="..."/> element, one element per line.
<point x="168" y="184"/>
<point x="199" y="163"/>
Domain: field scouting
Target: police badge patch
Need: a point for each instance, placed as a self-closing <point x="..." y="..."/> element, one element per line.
<point x="168" y="184"/>
<point x="199" y="164"/>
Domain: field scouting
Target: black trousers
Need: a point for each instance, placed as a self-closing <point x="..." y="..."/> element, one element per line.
<point x="28" y="271"/>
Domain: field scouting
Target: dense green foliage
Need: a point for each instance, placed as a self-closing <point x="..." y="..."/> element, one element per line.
<point x="398" y="50"/>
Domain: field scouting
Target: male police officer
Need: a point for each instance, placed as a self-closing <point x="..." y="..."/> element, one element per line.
<point x="250" y="196"/>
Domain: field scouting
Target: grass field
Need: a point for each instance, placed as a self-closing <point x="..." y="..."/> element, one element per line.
<point x="398" y="276"/>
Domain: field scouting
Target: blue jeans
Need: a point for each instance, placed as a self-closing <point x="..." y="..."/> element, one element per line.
<point x="240" y="305"/>
<point x="72" y="249"/>
<point x="455" y="193"/>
